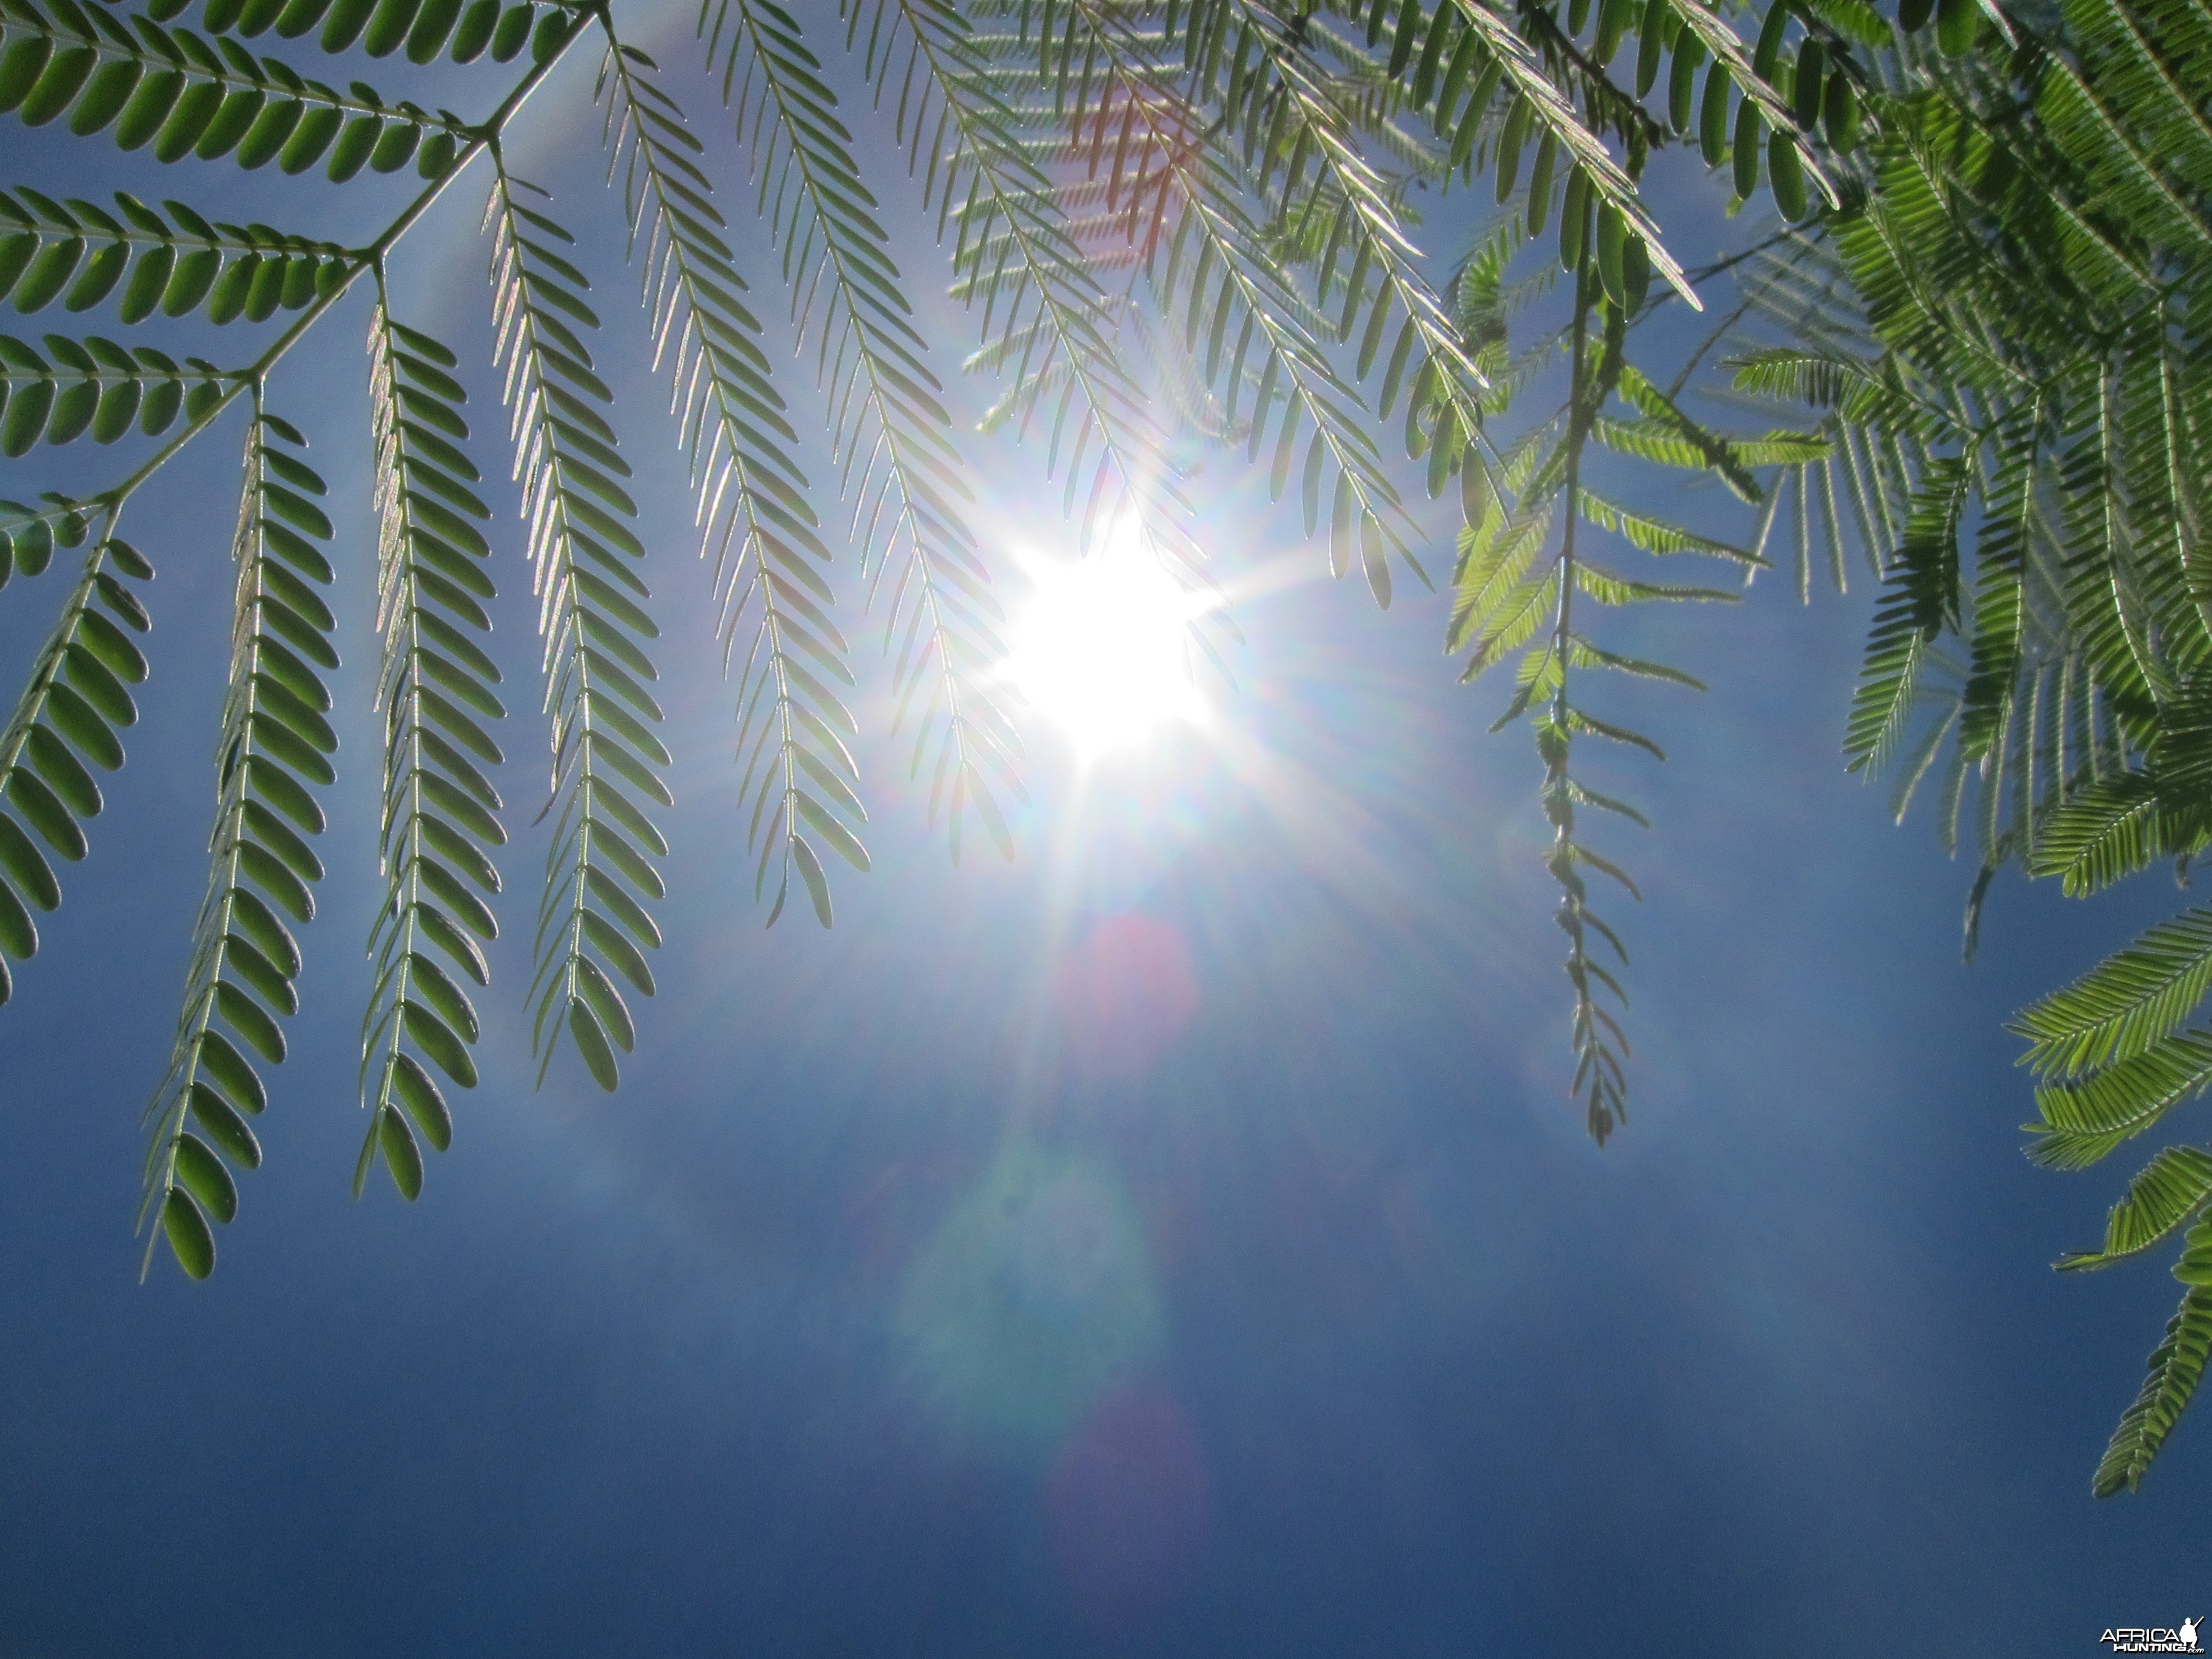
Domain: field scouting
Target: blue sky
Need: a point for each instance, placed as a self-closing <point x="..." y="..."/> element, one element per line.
<point x="1177" y="1243"/>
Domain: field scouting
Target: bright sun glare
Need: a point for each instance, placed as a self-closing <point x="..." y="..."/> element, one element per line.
<point x="1100" y="649"/>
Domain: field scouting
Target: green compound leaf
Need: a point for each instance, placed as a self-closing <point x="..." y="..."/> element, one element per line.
<point x="890" y="436"/>
<point x="439" y="813"/>
<point x="52" y="731"/>
<point x="2176" y="1365"/>
<point x="244" y="959"/>
<point x="579" y="542"/>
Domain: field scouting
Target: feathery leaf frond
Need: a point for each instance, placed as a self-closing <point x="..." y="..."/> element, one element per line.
<point x="761" y="532"/>
<point x="175" y="262"/>
<point x="2124" y="1003"/>
<point x="67" y="715"/>
<point x="591" y="617"/>
<point x="890" y="432"/>
<point x="276" y="745"/>
<point x="94" y="385"/>
<point x="2165" y="1193"/>
<point x="186" y="96"/>
<point x="2176" y="1365"/>
<point x="434" y="694"/>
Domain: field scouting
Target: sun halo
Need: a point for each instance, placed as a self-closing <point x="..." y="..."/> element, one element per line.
<point x="1101" y="647"/>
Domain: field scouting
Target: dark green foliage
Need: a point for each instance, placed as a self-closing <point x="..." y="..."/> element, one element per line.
<point x="186" y="95"/>
<point x="46" y="791"/>
<point x="81" y="254"/>
<point x="434" y="695"/>
<point x="275" y="749"/>
<point x="98" y="386"/>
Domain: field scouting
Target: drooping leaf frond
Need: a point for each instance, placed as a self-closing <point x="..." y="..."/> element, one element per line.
<point x="1049" y="321"/>
<point x="591" y="617"/>
<point x="2086" y="1118"/>
<point x="1921" y="598"/>
<point x="761" y="532"/>
<point x="435" y="695"/>
<point x="890" y="432"/>
<point x="276" y="743"/>
<point x="2113" y="828"/>
<point x="2165" y="1193"/>
<point x="1290" y="115"/>
<point x="2176" y="1365"/>
<point x="67" y="715"/>
<point x="425" y="29"/>
<point x="1217" y="274"/>
<point x="2124" y="1003"/>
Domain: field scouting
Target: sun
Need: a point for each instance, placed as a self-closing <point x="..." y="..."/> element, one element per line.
<point x="1101" y="649"/>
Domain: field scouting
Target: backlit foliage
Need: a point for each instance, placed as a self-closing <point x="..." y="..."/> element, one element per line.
<point x="1966" y="334"/>
<point x="2008" y="344"/>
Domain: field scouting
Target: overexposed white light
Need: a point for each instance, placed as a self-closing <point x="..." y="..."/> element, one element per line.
<point x="1101" y="648"/>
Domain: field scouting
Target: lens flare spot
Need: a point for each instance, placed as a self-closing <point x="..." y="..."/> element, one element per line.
<point x="1130" y="1504"/>
<point x="1125" y="994"/>
<point x="1101" y="647"/>
<point x="1034" y="1296"/>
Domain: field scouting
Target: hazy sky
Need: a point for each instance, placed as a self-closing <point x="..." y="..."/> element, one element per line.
<point x="1178" y="1242"/>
